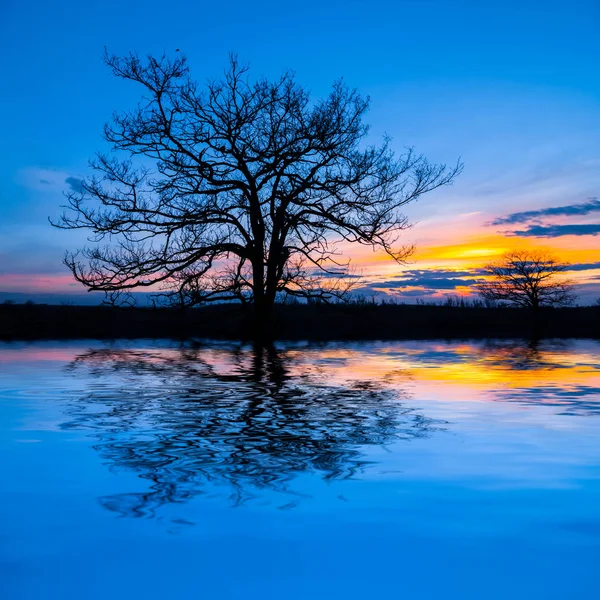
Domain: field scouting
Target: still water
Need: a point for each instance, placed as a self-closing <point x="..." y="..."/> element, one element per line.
<point x="373" y="470"/>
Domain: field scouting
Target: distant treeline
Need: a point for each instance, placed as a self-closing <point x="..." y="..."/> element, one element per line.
<point x="361" y="320"/>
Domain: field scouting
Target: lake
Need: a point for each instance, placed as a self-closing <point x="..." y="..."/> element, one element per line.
<point x="371" y="470"/>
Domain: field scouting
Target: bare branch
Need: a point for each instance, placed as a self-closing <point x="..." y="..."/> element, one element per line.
<point x="239" y="190"/>
<point x="529" y="279"/>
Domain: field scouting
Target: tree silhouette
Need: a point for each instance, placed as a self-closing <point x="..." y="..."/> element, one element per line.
<point x="527" y="278"/>
<point x="238" y="190"/>
<point x="234" y="419"/>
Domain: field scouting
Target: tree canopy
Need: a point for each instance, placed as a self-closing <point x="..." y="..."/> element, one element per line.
<point x="238" y="189"/>
<point x="529" y="279"/>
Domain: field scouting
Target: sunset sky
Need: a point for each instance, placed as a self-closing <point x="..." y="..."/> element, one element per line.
<point x="512" y="87"/>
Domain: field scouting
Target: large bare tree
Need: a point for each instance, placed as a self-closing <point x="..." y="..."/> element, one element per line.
<point x="238" y="189"/>
<point x="527" y="278"/>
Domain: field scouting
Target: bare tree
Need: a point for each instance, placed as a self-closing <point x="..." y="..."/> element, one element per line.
<point x="241" y="190"/>
<point x="530" y="279"/>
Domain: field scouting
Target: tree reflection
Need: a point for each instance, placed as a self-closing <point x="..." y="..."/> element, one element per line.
<point x="522" y="355"/>
<point x="197" y="417"/>
<point x="536" y="359"/>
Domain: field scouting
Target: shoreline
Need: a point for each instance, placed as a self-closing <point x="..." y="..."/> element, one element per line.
<point x="296" y="322"/>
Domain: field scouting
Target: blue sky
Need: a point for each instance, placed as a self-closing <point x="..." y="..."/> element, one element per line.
<point x="512" y="87"/>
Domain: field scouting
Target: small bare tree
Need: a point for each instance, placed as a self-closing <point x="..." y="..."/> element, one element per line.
<point x="530" y="279"/>
<point x="241" y="190"/>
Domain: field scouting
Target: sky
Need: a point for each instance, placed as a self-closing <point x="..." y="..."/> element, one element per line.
<point x="511" y="87"/>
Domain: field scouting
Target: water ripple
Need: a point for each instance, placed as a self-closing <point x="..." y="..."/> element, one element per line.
<point x="239" y="421"/>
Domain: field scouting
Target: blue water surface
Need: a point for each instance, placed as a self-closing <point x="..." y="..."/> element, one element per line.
<point x="142" y="469"/>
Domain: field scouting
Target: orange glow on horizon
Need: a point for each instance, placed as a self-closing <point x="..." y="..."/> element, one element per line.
<point x="475" y="250"/>
<point x="452" y="248"/>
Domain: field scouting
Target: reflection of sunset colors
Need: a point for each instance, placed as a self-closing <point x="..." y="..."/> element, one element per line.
<point x="465" y="371"/>
<point x="412" y="453"/>
<point x="473" y="367"/>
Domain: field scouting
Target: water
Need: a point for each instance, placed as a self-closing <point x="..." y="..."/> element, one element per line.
<point x="373" y="470"/>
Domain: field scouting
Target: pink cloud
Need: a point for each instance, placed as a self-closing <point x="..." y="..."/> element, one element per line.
<point x="19" y="282"/>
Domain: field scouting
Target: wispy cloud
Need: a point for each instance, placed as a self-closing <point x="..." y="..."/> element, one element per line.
<point x="583" y="208"/>
<point x="46" y="180"/>
<point x="436" y="283"/>
<point x="437" y="273"/>
<point x="439" y="283"/>
<point x="75" y="183"/>
<point x="432" y="279"/>
<point x="552" y="231"/>
<point x="585" y="266"/>
<point x="417" y="293"/>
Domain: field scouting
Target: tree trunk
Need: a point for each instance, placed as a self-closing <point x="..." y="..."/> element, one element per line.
<point x="262" y="326"/>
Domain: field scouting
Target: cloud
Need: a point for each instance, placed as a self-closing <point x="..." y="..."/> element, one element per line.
<point x="584" y="266"/>
<point x="48" y="180"/>
<point x="431" y="279"/>
<point x="331" y="275"/>
<point x="74" y="183"/>
<point x="584" y="208"/>
<point x="42" y="179"/>
<point x="424" y="283"/>
<point x="369" y="291"/>
<point x="435" y="283"/>
<point x="552" y="231"/>
<point x="439" y="273"/>
<point x="417" y="293"/>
